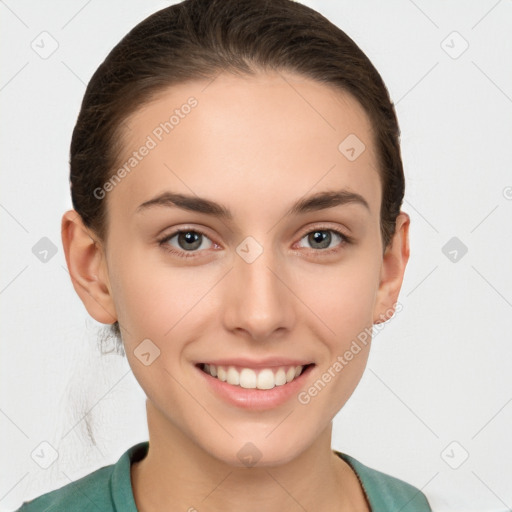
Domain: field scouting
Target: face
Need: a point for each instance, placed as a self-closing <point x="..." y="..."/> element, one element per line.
<point x="241" y="267"/>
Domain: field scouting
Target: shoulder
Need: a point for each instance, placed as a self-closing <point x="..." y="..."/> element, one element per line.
<point x="106" y="489"/>
<point x="89" y="493"/>
<point x="385" y="492"/>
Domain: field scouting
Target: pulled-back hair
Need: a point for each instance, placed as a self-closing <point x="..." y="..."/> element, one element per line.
<point x="198" y="39"/>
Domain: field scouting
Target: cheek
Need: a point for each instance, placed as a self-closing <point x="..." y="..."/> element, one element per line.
<point x="342" y="296"/>
<point x="137" y="296"/>
<point x="156" y="301"/>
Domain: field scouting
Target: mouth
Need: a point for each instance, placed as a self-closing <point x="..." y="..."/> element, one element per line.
<point x="263" y="378"/>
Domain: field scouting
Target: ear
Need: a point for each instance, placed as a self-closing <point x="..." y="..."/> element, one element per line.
<point x="87" y="267"/>
<point x="392" y="272"/>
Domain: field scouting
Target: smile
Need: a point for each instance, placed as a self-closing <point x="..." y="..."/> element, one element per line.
<point x="248" y="378"/>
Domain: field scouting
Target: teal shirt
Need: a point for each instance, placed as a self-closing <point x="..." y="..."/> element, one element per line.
<point x="109" y="489"/>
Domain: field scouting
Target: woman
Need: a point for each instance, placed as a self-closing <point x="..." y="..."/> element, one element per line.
<point x="237" y="181"/>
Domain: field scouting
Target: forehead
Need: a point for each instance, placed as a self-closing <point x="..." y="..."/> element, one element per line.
<point x="272" y="137"/>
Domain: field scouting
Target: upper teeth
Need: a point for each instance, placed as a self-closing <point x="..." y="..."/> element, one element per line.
<point x="248" y="378"/>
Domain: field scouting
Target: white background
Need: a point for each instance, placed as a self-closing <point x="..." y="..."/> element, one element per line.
<point x="439" y="372"/>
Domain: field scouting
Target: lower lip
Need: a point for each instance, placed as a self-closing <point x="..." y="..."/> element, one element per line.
<point x="256" y="399"/>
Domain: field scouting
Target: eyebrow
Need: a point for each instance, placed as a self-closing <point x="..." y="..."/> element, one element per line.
<point x="316" y="202"/>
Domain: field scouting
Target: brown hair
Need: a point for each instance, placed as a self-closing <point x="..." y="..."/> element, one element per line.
<point x="197" y="39"/>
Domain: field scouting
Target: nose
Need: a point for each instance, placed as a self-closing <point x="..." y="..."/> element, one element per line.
<point x="258" y="297"/>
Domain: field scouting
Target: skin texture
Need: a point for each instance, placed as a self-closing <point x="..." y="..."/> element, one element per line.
<point x="256" y="145"/>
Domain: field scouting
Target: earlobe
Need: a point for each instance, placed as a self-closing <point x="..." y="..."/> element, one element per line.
<point x="87" y="267"/>
<point x="393" y="267"/>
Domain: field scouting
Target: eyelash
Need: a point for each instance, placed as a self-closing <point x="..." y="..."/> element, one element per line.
<point x="345" y="240"/>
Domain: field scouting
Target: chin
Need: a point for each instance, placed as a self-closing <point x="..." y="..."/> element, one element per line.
<point x="259" y="450"/>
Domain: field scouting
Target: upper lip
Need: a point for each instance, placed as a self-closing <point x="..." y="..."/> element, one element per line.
<point x="261" y="363"/>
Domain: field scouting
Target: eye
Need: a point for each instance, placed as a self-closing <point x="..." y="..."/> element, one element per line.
<point x="322" y="238"/>
<point x="187" y="242"/>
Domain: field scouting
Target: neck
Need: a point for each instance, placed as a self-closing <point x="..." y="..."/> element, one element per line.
<point x="177" y="474"/>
